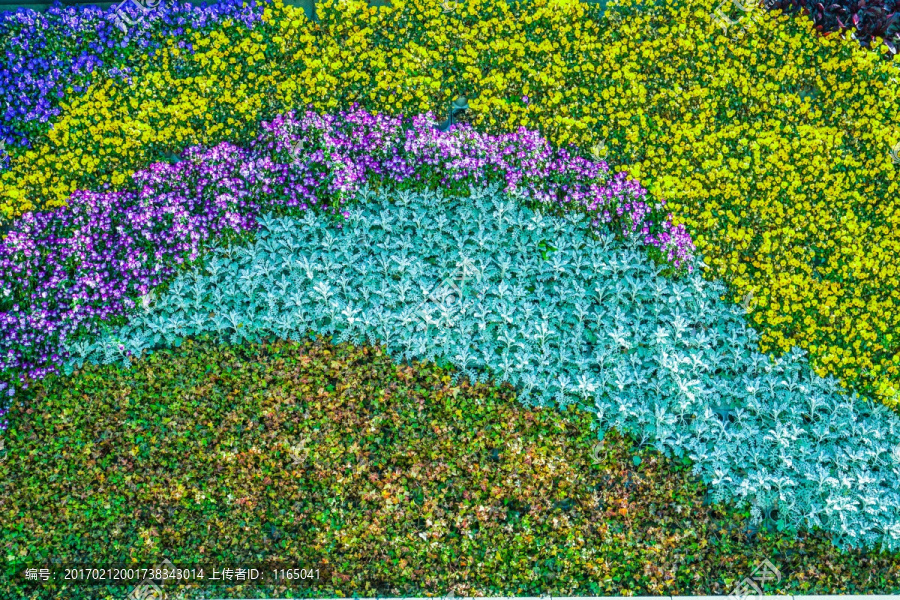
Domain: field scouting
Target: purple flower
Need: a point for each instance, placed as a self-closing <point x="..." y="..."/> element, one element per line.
<point x="46" y="52"/>
<point x="67" y="272"/>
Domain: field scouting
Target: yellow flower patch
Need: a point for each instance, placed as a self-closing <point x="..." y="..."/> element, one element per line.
<point x="115" y="128"/>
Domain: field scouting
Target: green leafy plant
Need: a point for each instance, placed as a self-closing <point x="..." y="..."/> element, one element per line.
<point x="389" y="478"/>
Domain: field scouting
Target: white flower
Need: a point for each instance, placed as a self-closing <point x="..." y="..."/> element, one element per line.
<point x="146" y="300"/>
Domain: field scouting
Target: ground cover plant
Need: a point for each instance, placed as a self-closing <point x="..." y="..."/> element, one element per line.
<point x="589" y="321"/>
<point x="70" y="271"/>
<point x="409" y="484"/>
<point x="47" y="54"/>
<point x="774" y="148"/>
<point x="869" y="20"/>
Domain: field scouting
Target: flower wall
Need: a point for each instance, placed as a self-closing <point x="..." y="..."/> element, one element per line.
<point x="773" y="148"/>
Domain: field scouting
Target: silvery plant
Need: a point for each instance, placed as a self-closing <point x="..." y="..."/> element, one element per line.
<point x="566" y="315"/>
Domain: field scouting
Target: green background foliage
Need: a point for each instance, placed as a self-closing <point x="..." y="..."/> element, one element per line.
<point x="336" y="457"/>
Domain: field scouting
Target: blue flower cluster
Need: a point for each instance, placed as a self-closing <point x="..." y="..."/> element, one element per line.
<point x="45" y="56"/>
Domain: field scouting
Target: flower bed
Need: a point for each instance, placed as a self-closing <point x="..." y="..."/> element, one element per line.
<point x="120" y="126"/>
<point x="869" y="20"/>
<point x="773" y="148"/>
<point x="69" y="271"/>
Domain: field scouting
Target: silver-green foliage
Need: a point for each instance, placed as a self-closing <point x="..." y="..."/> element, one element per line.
<point x="587" y="320"/>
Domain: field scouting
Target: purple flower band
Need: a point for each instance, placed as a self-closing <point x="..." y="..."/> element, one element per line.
<point x="67" y="272"/>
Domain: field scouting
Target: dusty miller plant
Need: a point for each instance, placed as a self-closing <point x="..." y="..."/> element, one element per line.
<point x="588" y="320"/>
